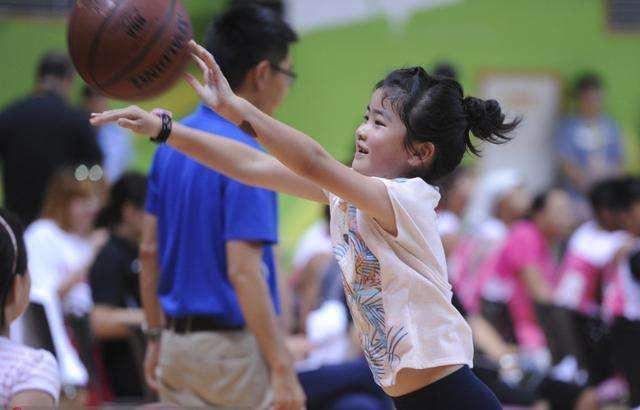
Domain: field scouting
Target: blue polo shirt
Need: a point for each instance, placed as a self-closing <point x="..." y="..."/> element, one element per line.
<point x="198" y="210"/>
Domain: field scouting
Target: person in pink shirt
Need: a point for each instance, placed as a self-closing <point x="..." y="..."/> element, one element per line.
<point x="621" y="301"/>
<point x="499" y="200"/>
<point x="527" y="263"/>
<point x="590" y="250"/>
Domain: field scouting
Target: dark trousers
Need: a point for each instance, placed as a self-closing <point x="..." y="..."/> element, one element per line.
<point x="625" y="336"/>
<point x="461" y="390"/>
<point x="345" y="386"/>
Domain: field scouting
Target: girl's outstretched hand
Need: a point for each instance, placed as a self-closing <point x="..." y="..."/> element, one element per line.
<point x="215" y="92"/>
<point x="134" y="118"/>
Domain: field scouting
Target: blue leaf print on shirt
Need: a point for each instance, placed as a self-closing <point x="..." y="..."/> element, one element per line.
<point x="364" y="296"/>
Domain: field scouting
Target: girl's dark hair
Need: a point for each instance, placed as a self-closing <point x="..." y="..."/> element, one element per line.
<point x="13" y="257"/>
<point x="434" y="109"/>
<point x="130" y="188"/>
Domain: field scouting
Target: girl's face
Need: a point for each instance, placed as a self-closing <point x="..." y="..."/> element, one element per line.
<point x="82" y="213"/>
<point x="380" y="149"/>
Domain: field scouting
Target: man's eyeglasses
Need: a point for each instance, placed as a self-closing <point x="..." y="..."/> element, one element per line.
<point x="292" y="76"/>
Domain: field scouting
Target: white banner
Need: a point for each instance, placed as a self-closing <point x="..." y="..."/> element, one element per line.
<point x="536" y="97"/>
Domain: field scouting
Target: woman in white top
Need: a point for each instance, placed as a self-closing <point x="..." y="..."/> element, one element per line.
<point x="383" y="221"/>
<point x="62" y="246"/>
<point x="28" y="377"/>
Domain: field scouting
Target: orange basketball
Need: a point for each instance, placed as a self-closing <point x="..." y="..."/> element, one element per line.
<point x="129" y="49"/>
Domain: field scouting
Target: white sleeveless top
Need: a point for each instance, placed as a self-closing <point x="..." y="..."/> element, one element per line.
<point x="397" y="287"/>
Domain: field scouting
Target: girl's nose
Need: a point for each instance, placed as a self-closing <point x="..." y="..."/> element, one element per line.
<point x="360" y="134"/>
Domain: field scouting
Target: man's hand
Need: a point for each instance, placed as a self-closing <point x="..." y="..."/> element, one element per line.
<point x="151" y="362"/>
<point x="287" y="392"/>
<point x="299" y="346"/>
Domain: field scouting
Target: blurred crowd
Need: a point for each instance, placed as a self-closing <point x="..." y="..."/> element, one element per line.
<point x="549" y="281"/>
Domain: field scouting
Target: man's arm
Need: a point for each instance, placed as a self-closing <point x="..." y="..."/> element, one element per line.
<point x="153" y="313"/>
<point x="244" y="261"/>
<point x="109" y="322"/>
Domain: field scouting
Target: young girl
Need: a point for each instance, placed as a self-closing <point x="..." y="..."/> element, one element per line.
<point x="28" y="377"/>
<point x="383" y="225"/>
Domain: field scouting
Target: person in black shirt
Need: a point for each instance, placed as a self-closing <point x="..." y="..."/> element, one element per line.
<point x="40" y="134"/>
<point x="117" y="318"/>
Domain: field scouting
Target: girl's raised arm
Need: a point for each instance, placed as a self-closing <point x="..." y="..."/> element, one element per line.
<point x="234" y="159"/>
<point x="297" y="151"/>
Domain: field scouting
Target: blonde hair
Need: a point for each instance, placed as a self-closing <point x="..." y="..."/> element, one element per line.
<point x="63" y="188"/>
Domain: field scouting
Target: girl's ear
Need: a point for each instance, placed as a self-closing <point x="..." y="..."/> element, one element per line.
<point x="422" y="154"/>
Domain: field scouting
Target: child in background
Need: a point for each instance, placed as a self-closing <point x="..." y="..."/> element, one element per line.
<point x="621" y="304"/>
<point x="590" y="251"/>
<point x="28" y="377"/>
<point x="527" y="264"/>
<point x="416" y="129"/>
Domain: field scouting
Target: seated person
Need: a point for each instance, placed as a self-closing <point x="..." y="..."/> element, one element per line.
<point x="62" y="245"/>
<point x="114" y="284"/>
<point x="29" y="377"/>
<point x="621" y="301"/>
<point x="590" y="251"/>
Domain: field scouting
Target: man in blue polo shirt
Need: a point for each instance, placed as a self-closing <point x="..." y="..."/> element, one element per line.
<point x="208" y="278"/>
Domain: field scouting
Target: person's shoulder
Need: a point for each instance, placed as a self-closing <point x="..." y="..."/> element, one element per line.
<point x="39" y="371"/>
<point x="566" y="125"/>
<point x="41" y="228"/>
<point x="413" y="190"/>
<point x="28" y="358"/>
<point x="492" y="229"/>
<point x="42" y="361"/>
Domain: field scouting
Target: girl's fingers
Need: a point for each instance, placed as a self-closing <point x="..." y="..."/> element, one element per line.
<point x="205" y="56"/>
<point x="203" y="66"/>
<point x="133" y="125"/>
<point x="194" y="83"/>
<point x="114" y="115"/>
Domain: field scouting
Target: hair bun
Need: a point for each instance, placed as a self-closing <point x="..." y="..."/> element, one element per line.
<point x="485" y="115"/>
<point x="486" y="120"/>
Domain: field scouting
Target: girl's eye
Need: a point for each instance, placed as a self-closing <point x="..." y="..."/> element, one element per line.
<point x="366" y="118"/>
<point x="379" y="123"/>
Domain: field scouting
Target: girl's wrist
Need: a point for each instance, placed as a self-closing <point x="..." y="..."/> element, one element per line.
<point x="238" y="108"/>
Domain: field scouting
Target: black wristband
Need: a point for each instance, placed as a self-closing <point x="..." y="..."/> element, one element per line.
<point x="163" y="136"/>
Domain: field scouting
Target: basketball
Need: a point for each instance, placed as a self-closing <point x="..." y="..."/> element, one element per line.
<point x="129" y="49"/>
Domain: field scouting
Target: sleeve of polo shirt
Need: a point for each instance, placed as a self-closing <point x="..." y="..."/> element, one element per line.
<point x="250" y="213"/>
<point x="151" y="202"/>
